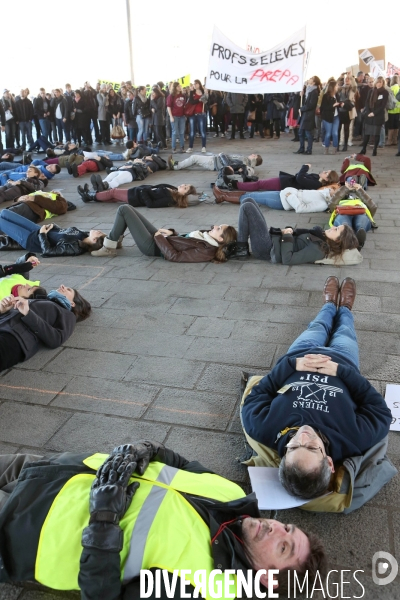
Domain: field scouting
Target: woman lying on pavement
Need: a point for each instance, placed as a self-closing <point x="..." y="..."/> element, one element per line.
<point x="303" y="180"/>
<point x="289" y="246"/>
<point x="302" y="201"/>
<point x="352" y="206"/>
<point x="48" y="240"/>
<point x="139" y="168"/>
<point x="152" y="196"/>
<point x="14" y="280"/>
<point x="196" y="246"/>
<point x="25" y="324"/>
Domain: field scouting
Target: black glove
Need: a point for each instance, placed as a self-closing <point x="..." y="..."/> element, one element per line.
<point x="142" y="453"/>
<point x="111" y="496"/>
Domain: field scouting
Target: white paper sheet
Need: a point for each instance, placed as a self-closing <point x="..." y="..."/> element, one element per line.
<point x="392" y="398"/>
<point x="269" y="491"/>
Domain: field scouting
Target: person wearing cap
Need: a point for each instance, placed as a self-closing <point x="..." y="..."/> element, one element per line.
<point x="315" y="409"/>
<point x="92" y="522"/>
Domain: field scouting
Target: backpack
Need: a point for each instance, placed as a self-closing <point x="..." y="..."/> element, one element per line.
<point x="391" y="101"/>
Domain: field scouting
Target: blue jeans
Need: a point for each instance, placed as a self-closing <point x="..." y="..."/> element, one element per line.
<point x="332" y="129"/>
<point x="132" y="133"/>
<point x="356" y="221"/>
<point x="45" y="126"/>
<point x="178" y="129"/>
<point x="63" y="127"/>
<point x="199" y="120"/>
<point x="143" y="125"/>
<point x="111" y="155"/>
<point x="331" y="328"/>
<point x="17" y="227"/>
<point x="25" y="128"/>
<point x="270" y="199"/>
<point x="302" y="135"/>
<point x="7" y="166"/>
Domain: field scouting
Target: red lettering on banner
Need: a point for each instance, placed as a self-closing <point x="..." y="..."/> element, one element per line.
<point x="275" y="76"/>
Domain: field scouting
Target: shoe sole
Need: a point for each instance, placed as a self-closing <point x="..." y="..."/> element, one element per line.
<point x="93" y="181"/>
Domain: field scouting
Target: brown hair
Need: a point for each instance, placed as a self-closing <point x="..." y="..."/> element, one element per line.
<point x="181" y="200"/>
<point x="92" y="247"/>
<point x="346" y="241"/>
<point x="317" y="81"/>
<point x="200" y="84"/>
<point x="331" y="88"/>
<point x="258" y="160"/>
<point x="82" y="308"/>
<point x="394" y="80"/>
<point x="315" y="562"/>
<point x="174" y="88"/>
<point x="333" y="177"/>
<point x="229" y="236"/>
<point x="38" y="171"/>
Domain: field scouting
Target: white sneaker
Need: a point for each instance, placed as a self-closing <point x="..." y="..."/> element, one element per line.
<point x="222" y="135"/>
<point x="189" y="150"/>
<point x="349" y="143"/>
<point x="215" y="135"/>
<point x="204" y="149"/>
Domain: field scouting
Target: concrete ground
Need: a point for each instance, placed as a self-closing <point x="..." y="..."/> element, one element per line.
<point x="162" y="353"/>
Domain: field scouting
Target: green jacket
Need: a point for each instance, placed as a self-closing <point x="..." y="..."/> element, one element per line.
<point x="303" y="246"/>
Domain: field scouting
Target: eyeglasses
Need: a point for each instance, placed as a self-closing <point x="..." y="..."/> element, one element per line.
<point x="309" y="447"/>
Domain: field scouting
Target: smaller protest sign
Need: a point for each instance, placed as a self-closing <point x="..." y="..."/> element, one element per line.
<point x="114" y="84"/>
<point x="392" y="399"/>
<point x="391" y="70"/>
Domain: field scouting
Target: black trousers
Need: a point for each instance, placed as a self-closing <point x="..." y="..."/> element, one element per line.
<point x="105" y="132"/>
<point x="10" y="351"/>
<point x="240" y="120"/>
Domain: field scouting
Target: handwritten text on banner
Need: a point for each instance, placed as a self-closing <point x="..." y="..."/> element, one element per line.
<point x="279" y="70"/>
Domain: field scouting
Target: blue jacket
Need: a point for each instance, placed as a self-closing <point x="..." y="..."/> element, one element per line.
<point x="15" y="173"/>
<point x="346" y="408"/>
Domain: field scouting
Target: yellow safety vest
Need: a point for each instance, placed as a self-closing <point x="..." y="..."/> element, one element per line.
<point x="161" y="528"/>
<point x="51" y="196"/>
<point x="351" y="202"/>
<point x="7" y="283"/>
<point x="396" y="109"/>
<point x="358" y="166"/>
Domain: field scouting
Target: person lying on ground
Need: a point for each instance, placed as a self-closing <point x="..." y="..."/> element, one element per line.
<point x="151" y="196"/>
<point x="25" y="324"/>
<point x="358" y="167"/>
<point x="303" y="180"/>
<point x="14" y="279"/>
<point x="215" y="162"/>
<point x="352" y="206"/>
<point x="40" y="206"/>
<point x="29" y="183"/>
<point x="196" y="246"/>
<point x="95" y="505"/>
<point x="315" y="408"/>
<point x="10" y="172"/>
<point x="301" y="201"/>
<point x="139" y="168"/>
<point x="49" y="240"/>
<point x="288" y="246"/>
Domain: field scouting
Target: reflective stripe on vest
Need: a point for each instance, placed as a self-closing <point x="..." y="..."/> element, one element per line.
<point x="51" y="196"/>
<point x="353" y="167"/>
<point x="161" y="528"/>
<point x="7" y="284"/>
<point x="353" y="202"/>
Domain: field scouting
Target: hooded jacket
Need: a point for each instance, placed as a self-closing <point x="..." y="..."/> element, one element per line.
<point x="152" y="196"/>
<point x="301" y="246"/>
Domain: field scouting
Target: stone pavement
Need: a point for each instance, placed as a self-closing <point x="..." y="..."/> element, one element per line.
<point x="162" y="354"/>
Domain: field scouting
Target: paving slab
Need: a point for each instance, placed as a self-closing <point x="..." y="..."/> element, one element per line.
<point x="162" y="354"/>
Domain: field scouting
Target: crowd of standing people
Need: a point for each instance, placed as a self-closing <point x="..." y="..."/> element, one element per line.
<point x="338" y="113"/>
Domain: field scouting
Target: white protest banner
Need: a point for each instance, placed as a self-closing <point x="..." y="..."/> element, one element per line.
<point x="279" y="70"/>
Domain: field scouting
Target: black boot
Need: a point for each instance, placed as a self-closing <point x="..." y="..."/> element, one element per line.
<point x="296" y="135"/>
<point x="361" y="236"/>
<point x="344" y="149"/>
<point x="86" y="195"/>
<point x="241" y="251"/>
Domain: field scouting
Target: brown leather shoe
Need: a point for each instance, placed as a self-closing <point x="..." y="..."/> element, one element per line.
<point x="347" y="293"/>
<point x="331" y="290"/>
